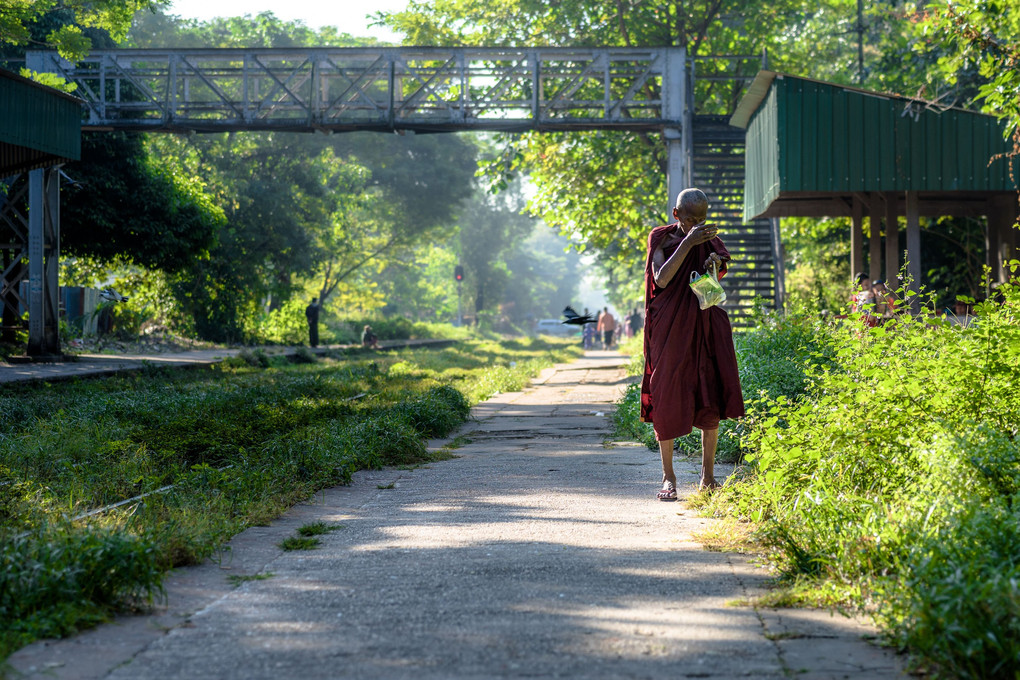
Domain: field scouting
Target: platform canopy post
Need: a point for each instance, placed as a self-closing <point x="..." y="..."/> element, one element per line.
<point x="856" y="237"/>
<point x="43" y="250"/>
<point x="914" y="248"/>
<point x="892" y="241"/>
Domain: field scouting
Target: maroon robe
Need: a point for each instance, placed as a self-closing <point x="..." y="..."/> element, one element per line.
<point x="691" y="377"/>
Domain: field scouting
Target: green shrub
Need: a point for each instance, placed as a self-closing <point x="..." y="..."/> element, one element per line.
<point x="387" y="439"/>
<point x="895" y="477"/>
<point x="303" y="355"/>
<point x="627" y="419"/>
<point x="256" y="358"/>
<point x="956" y="602"/>
<point x="286" y="325"/>
<point x="773" y="358"/>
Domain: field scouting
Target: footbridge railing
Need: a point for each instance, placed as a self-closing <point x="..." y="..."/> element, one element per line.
<point x="414" y="88"/>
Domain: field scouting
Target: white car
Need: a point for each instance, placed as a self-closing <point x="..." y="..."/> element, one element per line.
<point x="554" y="327"/>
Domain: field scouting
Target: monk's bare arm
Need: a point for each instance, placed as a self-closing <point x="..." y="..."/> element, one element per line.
<point x="663" y="269"/>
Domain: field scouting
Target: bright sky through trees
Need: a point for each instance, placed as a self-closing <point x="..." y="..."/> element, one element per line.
<point x="347" y="15"/>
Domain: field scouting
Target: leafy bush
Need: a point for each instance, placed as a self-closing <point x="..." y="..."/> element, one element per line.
<point x="303" y="355"/>
<point x="895" y="476"/>
<point x="773" y="357"/>
<point x="286" y="325"/>
<point x="387" y="439"/>
<point x="956" y="605"/>
<point x="256" y="358"/>
<point x="627" y="419"/>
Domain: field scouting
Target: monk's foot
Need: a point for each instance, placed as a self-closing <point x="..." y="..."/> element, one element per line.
<point x="668" y="490"/>
<point x="708" y="484"/>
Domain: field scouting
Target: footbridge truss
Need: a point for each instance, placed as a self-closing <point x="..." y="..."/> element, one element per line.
<point x="401" y="88"/>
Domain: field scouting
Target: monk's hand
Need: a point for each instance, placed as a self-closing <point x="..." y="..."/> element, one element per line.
<point x="701" y="233"/>
<point x="713" y="259"/>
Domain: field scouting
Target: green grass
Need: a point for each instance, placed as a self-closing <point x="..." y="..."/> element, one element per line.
<point x="300" y="543"/>
<point x="318" y="529"/>
<point x="237" y="579"/>
<point x="237" y="444"/>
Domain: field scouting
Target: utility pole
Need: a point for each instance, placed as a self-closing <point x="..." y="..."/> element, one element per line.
<point x="860" y="42"/>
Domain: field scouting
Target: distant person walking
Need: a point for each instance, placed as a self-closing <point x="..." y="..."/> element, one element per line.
<point x="369" y="339"/>
<point x="607" y="327"/>
<point x="312" y="314"/>
<point x="588" y="333"/>
<point x="636" y="322"/>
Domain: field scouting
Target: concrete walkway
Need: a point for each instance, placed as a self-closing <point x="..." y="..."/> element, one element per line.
<point x="541" y="552"/>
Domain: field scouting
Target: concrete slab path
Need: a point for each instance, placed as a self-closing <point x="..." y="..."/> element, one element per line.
<point x="540" y="552"/>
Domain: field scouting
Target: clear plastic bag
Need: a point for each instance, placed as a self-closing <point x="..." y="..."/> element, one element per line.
<point x="707" y="288"/>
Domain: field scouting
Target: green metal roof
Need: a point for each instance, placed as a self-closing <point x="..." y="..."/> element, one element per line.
<point x="39" y="126"/>
<point x="810" y="139"/>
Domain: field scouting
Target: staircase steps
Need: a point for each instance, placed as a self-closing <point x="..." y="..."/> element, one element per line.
<point x="718" y="170"/>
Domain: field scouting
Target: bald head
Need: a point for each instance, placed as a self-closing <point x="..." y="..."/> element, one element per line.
<point x="692" y="201"/>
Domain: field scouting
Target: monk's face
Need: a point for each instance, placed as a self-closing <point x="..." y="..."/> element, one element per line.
<point x="690" y="218"/>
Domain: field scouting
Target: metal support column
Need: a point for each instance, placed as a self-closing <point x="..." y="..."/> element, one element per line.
<point x="874" y="241"/>
<point x="676" y="109"/>
<point x="856" y="238"/>
<point x="778" y="258"/>
<point x="914" y="247"/>
<point x="993" y="241"/>
<point x="892" y="242"/>
<point x="1001" y="237"/>
<point x="43" y="250"/>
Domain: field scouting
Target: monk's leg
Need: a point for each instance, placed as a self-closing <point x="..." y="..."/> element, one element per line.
<point x="668" y="476"/>
<point x="709" y="442"/>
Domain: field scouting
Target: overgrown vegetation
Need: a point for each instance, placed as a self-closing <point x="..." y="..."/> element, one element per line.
<point x="883" y="474"/>
<point x="200" y="455"/>
<point x="772" y="362"/>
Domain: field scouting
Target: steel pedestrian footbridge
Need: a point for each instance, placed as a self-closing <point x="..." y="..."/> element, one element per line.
<point x="429" y="89"/>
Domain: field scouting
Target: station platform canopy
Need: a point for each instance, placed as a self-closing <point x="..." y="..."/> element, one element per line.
<point x="812" y="145"/>
<point x="39" y="126"/>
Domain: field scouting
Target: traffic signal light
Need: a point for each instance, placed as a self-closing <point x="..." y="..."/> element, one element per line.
<point x="458" y="273"/>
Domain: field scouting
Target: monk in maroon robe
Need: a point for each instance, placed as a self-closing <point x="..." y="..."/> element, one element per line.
<point x="691" y="377"/>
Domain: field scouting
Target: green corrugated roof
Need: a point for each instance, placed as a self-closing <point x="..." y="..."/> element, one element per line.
<point x="39" y="126"/>
<point x="812" y="138"/>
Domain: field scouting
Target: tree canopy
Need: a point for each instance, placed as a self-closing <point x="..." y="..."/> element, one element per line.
<point x="21" y="19"/>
